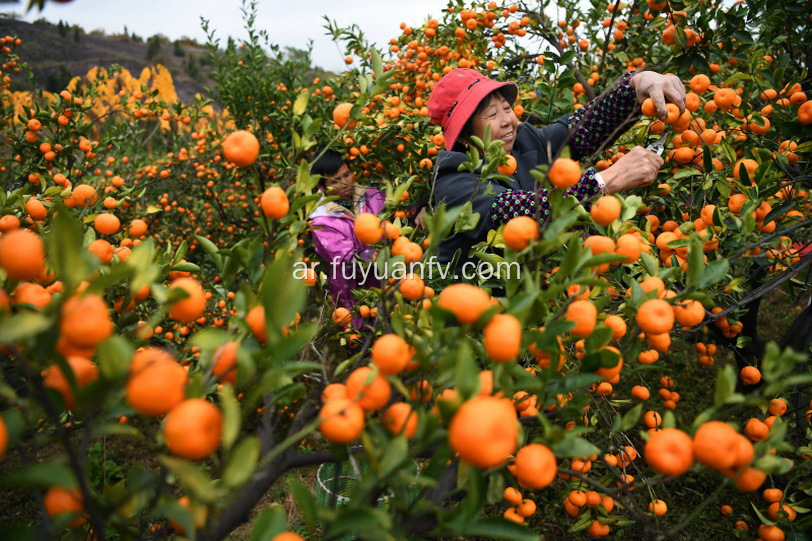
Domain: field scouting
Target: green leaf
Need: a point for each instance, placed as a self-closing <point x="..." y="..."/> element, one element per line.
<point x="631" y="417"/>
<point x="366" y="520"/>
<point x="305" y="182"/>
<point x="567" y="57"/>
<point x="114" y="357"/>
<point x="185" y="267"/>
<point x="696" y="264"/>
<point x="777" y="363"/>
<point x="269" y="523"/>
<point x="192" y="478"/>
<point x="23" y="325"/>
<point x="772" y="465"/>
<point x="685" y="173"/>
<point x="282" y="296"/>
<point x="465" y="374"/>
<point x="300" y="104"/>
<point x="761" y="517"/>
<point x="231" y="416"/>
<point x="499" y="528"/>
<point x="44" y="475"/>
<point x="180" y="253"/>
<point x="744" y="37"/>
<point x="242" y="463"/>
<point x="395" y="453"/>
<point x="574" y="447"/>
<point x="377" y="63"/>
<point x="713" y="272"/>
<point x="69" y="259"/>
<point x="305" y="501"/>
<point x="725" y="384"/>
<point x="212" y="250"/>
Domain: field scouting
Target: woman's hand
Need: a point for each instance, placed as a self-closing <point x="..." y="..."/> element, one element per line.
<point x="637" y="167"/>
<point x="661" y="89"/>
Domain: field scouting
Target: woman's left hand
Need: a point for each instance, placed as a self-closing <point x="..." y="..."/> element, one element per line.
<point x="661" y="89"/>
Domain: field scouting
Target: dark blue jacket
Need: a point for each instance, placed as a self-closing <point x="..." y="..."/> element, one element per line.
<point x="533" y="146"/>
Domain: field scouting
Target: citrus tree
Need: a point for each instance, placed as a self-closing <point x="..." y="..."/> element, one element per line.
<point x="160" y="293"/>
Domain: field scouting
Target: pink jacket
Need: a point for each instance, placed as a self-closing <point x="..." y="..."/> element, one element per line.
<point x="336" y="244"/>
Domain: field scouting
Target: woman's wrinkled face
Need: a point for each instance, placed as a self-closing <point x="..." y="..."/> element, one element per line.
<point x="342" y="184"/>
<point x="499" y="115"/>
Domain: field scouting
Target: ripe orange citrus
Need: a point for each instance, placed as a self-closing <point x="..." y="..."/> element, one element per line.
<point x="630" y="247"/>
<point x="58" y="500"/>
<point x="655" y="316"/>
<point x="715" y="445"/>
<point x="750" y="375"/>
<point x="22" y="254"/>
<point x="391" y="354"/>
<point x="749" y="479"/>
<point x="36" y="210"/>
<point x="288" y="536"/>
<point x="699" y="83"/>
<point x="84" y="373"/>
<point x="412" y="287"/>
<point x="467" y="302"/>
<point x="509" y="167"/>
<point x="156" y="382"/>
<point x="193" y="429"/>
<point x="503" y="338"/>
<point x="107" y="224"/>
<point x="535" y="466"/>
<point x="585" y="316"/>
<point x="84" y="195"/>
<point x="519" y="232"/>
<point x="724" y="98"/>
<point x="370" y="395"/>
<point x="85" y="321"/>
<point x="484" y="431"/>
<point x="342" y="420"/>
<point x="138" y="228"/>
<point x="368" y="228"/>
<point x="255" y="318"/>
<point x="689" y="313"/>
<point x="606" y="210"/>
<point x="669" y="452"/>
<point x="274" y="203"/>
<point x="748" y="164"/>
<point x="768" y="532"/>
<point x="3" y="437"/>
<point x="241" y="148"/>
<point x="401" y="418"/>
<point x="192" y="307"/>
<point x="564" y="173"/>
<point x="341" y="114"/>
<point x="617" y="324"/>
<point x="225" y="366"/>
<point x="657" y="508"/>
<point x="648" y="108"/>
<point x="805" y="112"/>
<point x="342" y="317"/>
<point x="102" y="249"/>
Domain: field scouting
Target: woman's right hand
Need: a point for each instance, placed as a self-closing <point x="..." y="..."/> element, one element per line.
<point x="638" y="167"/>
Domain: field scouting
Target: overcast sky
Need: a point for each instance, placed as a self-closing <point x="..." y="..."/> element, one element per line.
<point x="289" y="23"/>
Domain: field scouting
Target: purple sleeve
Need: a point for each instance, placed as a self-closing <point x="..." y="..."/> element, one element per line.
<point x="604" y="118"/>
<point x="335" y="243"/>
<point x="374" y="201"/>
<point x="513" y="203"/>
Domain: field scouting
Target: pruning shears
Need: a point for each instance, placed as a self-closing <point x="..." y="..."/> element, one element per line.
<point x="658" y="146"/>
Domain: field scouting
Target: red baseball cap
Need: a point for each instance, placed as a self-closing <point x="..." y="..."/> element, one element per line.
<point x="456" y="96"/>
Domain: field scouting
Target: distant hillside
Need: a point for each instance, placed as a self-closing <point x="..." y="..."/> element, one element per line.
<point x="56" y="54"/>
